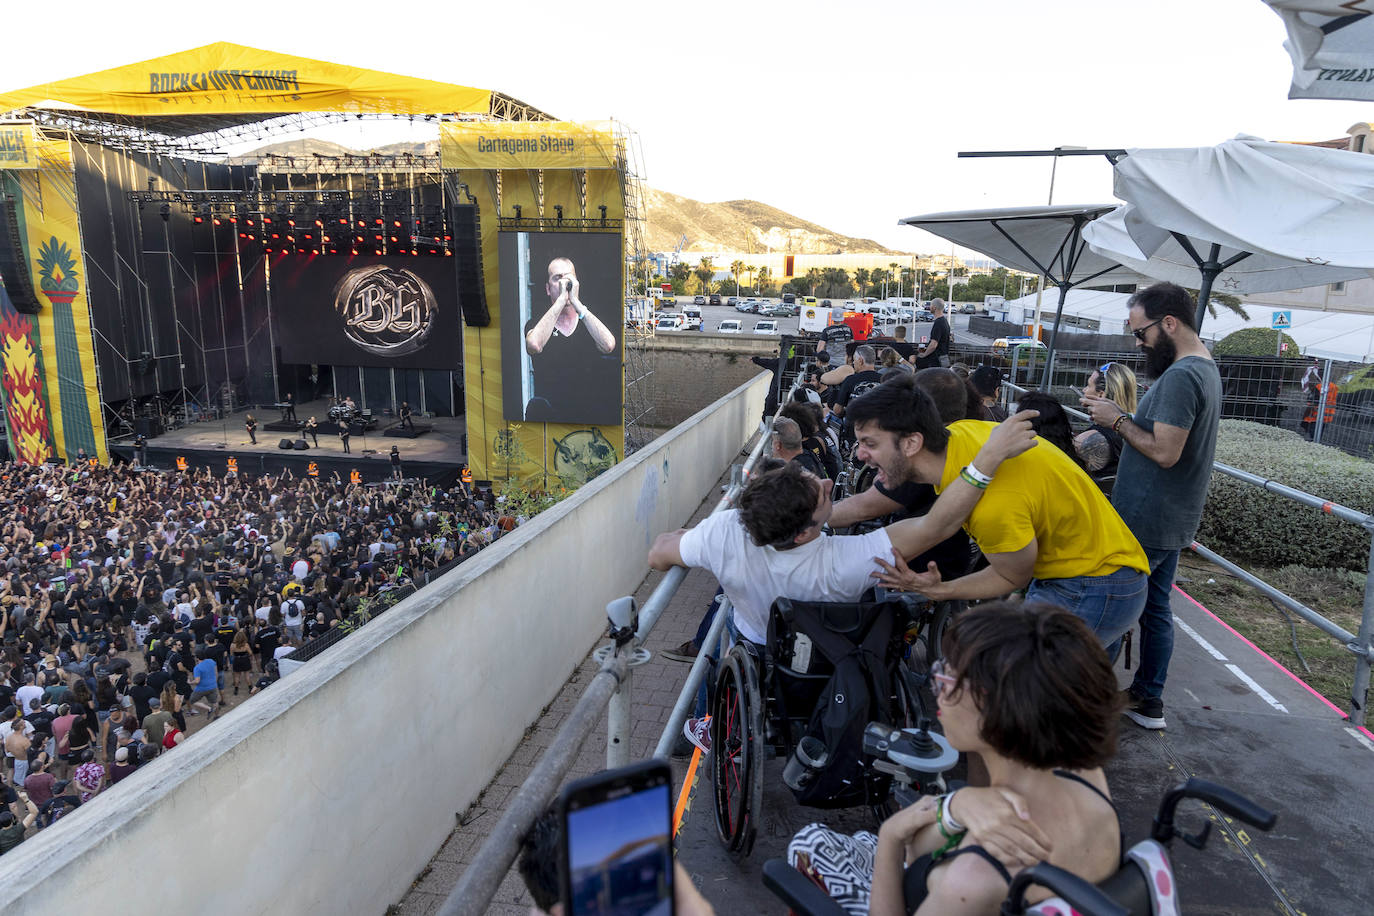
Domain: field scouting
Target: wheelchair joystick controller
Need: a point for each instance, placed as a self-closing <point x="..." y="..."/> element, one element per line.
<point x="907" y="753"/>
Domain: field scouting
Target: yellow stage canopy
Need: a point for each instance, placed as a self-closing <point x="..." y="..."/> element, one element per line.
<point x="230" y="79"/>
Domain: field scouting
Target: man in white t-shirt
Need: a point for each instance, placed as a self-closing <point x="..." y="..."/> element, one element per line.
<point x="293" y="619"/>
<point x="29" y="694"/>
<point x="773" y="544"/>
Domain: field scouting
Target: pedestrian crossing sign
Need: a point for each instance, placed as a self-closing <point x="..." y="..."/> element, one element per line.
<point x="1282" y="321"/>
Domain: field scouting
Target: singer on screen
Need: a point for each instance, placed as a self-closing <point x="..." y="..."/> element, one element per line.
<point x="563" y="343"/>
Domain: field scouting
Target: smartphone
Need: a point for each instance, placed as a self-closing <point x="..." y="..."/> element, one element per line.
<point x="617" y="850"/>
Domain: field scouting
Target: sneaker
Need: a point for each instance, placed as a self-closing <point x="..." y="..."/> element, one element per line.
<point x="698" y="731"/>
<point x="1147" y="712"/>
<point x="687" y="652"/>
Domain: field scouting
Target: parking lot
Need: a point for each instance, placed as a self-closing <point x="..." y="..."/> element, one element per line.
<point x="712" y="316"/>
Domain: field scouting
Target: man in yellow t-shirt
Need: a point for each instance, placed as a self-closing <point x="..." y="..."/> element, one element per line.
<point x="1042" y="523"/>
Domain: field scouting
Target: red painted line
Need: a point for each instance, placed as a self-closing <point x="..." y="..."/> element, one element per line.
<point x="1275" y="662"/>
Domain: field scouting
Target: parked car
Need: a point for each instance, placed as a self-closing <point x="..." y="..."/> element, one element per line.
<point x="906" y="315"/>
<point x="732" y="301"/>
<point x="968" y="308"/>
<point x="924" y="314"/>
<point x="745" y="305"/>
<point x="765" y="327"/>
<point x="715" y="299"/>
<point x="698" y="300"/>
<point x="691" y="318"/>
<point x="667" y="301"/>
<point x="778" y="310"/>
<point x="670" y="323"/>
<point x="729" y="326"/>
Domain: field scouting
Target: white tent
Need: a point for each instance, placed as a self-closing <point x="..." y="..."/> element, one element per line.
<point x="1332" y="46"/>
<point x="1250" y="215"/>
<point x="1334" y="335"/>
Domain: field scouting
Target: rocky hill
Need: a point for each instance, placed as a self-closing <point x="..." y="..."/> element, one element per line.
<point x="732" y="225"/>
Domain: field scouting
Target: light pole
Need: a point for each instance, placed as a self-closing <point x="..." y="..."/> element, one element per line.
<point x="1054" y="167"/>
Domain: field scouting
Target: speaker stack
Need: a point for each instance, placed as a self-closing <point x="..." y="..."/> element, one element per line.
<point x="14" y="267"/>
<point x="284" y="444"/>
<point x="467" y="257"/>
<point x="301" y="445"/>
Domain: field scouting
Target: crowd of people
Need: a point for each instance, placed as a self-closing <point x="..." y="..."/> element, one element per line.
<point x="966" y="509"/>
<point x="132" y="600"/>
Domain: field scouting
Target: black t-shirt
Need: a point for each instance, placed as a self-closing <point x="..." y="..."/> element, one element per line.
<point x="267" y="640"/>
<point x="860" y="380"/>
<point x="939" y="334"/>
<point x="952" y="555"/>
<point x="820" y="451"/>
<point x="574" y="382"/>
<point x="201" y="627"/>
<point x="141" y="694"/>
<point x="835" y="336"/>
<point x="219" y="652"/>
<point x="808" y="461"/>
<point x="156" y="681"/>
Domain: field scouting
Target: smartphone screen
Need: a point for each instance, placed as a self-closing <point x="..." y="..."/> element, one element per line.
<point x="617" y="843"/>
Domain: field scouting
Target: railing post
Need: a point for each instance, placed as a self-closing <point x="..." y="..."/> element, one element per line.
<point x="618" y="724"/>
<point x="1359" y="693"/>
<point x="1321" y="406"/>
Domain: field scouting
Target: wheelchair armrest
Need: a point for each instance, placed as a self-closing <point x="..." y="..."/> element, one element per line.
<point x="1082" y="895"/>
<point x="798" y="891"/>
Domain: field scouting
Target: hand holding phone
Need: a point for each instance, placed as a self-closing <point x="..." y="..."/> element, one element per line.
<point x="617" y="852"/>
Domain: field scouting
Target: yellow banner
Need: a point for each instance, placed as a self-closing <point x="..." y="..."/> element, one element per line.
<point x="224" y="78"/>
<point x="526" y="145"/>
<point x="56" y="262"/>
<point x="540" y="455"/>
<point x="16" y="145"/>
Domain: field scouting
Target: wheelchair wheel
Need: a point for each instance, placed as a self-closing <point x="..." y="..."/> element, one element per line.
<point x="736" y="752"/>
<point x="934" y="636"/>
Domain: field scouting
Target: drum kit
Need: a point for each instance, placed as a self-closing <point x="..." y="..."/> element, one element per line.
<point x="343" y="412"/>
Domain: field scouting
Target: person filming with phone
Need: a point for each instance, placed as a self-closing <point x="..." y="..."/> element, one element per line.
<point x="562" y="341"/>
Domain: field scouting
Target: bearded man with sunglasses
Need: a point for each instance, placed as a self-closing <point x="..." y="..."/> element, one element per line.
<point x="1166" y="463"/>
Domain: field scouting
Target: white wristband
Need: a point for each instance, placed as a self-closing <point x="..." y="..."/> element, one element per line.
<point x="947" y="817"/>
<point x="977" y="474"/>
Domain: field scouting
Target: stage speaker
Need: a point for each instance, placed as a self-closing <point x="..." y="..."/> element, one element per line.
<point x="301" y="445"/>
<point x="467" y="261"/>
<point x="148" y="427"/>
<point x="14" y="267"/>
<point x="284" y="444"/>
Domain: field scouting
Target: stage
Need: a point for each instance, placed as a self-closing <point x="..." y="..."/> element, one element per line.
<point x="436" y="454"/>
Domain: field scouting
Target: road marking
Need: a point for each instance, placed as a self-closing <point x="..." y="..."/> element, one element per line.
<point x="1206" y="646"/>
<point x="1361" y="737"/>
<point x="1263" y="694"/>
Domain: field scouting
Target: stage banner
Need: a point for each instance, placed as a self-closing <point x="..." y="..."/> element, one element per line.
<point x="16" y="145"/>
<point x="527" y="145"/>
<point x="224" y="78"/>
<point x="391" y="312"/>
<point x="540" y="454"/>
<point x="65" y="349"/>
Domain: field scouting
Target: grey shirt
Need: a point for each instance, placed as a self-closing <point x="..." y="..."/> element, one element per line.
<point x="1162" y="506"/>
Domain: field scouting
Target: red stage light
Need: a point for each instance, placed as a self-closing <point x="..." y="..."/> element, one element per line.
<point x="233" y="219"/>
<point x="320" y="224"/>
<point x="217" y="222"/>
<point x="396" y="223"/>
<point x="393" y="239"/>
<point x="267" y="220"/>
<point x="377" y="251"/>
<point x="355" y="251"/>
<point x="200" y="219"/>
<point x="342" y="221"/>
<point x="360" y="238"/>
<point x="448" y="254"/>
<point x="362" y="222"/>
<point x="250" y="222"/>
<point x="377" y="237"/>
<point x="291" y="222"/>
<point x="448" y="238"/>
<point x="275" y="236"/>
<point x="268" y="250"/>
<point x="380" y="222"/>
<point x="413" y="251"/>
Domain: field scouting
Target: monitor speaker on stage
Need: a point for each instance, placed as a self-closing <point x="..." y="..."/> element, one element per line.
<point x="284" y="444"/>
<point x="467" y="257"/>
<point x="14" y="268"/>
<point x="301" y="445"/>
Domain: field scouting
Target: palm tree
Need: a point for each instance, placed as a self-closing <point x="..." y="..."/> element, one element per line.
<point x="1231" y="303"/>
<point x="813" y="279"/>
<point x="705" y="272"/>
<point x="736" y="268"/>
<point x="892" y="272"/>
<point x="861" y="277"/>
<point x="749" y="269"/>
<point x="764" y="277"/>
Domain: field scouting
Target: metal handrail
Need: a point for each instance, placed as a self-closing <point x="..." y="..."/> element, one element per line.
<point x="481" y="879"/>
<point x="1361" y="645"/>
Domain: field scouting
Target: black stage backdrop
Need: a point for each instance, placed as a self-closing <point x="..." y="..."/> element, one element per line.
<point x="394" y="312"/>
<point x="570" y="381"/>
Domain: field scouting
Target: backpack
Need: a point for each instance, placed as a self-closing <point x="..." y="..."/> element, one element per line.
<point x="854" y="638"/>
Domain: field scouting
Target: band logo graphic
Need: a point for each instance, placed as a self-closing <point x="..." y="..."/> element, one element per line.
<point x="387" y="311"/>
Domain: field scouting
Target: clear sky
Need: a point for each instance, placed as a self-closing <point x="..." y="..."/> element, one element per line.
<point x="846" y="114"/>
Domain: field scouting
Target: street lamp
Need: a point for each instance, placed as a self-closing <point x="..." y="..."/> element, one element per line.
<point x="1054" y="167"/>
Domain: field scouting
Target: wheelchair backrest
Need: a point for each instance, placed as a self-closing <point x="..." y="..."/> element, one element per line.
<point x="1144" y="885"/>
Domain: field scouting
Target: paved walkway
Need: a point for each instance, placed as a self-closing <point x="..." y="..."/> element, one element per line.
<point x="656" y="687"/>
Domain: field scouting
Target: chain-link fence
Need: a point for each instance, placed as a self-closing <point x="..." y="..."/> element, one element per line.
<point x="1328" y="401"/>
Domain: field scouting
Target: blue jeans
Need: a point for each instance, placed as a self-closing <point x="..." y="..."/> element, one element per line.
<point x="732" y="635"/>
<point x="1156" y="625"/>
<point x="1109" y="604"/>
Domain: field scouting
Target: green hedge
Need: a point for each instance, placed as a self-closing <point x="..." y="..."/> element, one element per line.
<point x="1243" y="522"/>
<point x="1255" y="342"/>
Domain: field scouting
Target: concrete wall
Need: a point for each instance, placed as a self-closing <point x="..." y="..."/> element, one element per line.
<point x="691" y="370"/>
<point x="329" y="791"/>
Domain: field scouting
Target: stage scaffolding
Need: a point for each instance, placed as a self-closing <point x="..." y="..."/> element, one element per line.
<point x="638" y="370"/>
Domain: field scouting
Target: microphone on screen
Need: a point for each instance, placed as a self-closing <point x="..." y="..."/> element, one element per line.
<point x="567" y="284"/>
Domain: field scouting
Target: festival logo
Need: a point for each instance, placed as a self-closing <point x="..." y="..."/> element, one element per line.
<point x="387" y="311"/>
<point x="581" y="455"/>
<point x="57" y="272"/>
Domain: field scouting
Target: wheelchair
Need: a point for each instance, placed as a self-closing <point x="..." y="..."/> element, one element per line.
<point x="771" y="701"/>
<point x="1144" y="885"/>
